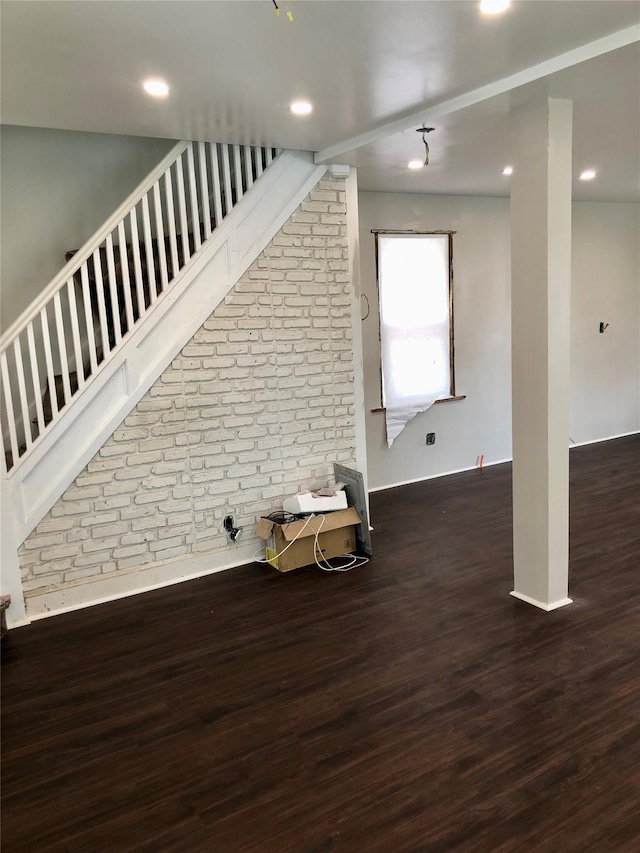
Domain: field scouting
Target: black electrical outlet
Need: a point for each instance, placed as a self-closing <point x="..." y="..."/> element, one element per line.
<point x="233" y="532"/>
<point x="431" y="438"/>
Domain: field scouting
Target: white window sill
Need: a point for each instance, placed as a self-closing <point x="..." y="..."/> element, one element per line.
<point x="443" y="400"/>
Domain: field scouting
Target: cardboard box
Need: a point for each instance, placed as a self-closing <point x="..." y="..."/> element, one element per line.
<point x="336" y="536"/>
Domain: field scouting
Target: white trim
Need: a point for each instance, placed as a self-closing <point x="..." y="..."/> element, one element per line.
<point x="435" y="476"/>
<point x="353" y="239"/>
<point x="338" y="171"/>
<point x="540" y="604"/>
<point x="606" y="438"/>
<point x="10" y="574"/>
<point x="16" y="623"/>
<point x="123" y="584"/>
<point x="495" y="462"/>
<point x="428" y="112"/>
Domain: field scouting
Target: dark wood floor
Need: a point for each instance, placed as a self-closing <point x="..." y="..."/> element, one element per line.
<point x="411" y="705"/>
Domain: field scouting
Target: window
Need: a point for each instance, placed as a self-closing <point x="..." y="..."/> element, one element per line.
<point x="415" y="288"/>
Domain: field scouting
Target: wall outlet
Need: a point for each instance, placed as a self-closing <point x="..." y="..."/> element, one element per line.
<point x="431" y="438"/>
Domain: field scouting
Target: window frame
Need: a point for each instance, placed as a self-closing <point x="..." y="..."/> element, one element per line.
<point x="452" y="349"/>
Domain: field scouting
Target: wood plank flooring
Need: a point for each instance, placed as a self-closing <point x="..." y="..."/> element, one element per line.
<point x="410" y="706"/>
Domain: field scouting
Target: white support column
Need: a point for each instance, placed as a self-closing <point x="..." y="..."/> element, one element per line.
<point x="540" y="314"/>
<point x="10" y="575"/>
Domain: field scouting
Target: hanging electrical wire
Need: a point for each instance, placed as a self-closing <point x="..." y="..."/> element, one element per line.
<point x="276" y="9"/>
<point x="424" y="130"/>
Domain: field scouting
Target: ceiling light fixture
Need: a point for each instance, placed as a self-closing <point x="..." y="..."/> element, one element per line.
<point x="415" y="164"/>
<point x="588" y="175"/>
<point x="424" y="130"/>
<point x="155" y="87"/>
<point x="301" y="108"/>
<point x="494" y="7"/>
<point x="508" y="170"/>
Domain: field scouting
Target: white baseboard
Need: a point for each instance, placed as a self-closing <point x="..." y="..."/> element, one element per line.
<point x="104" y="588"/>
<point x="554" y="605"/>
<point x="435" y="476"/>
<point x="606" y="438"/>
<point x="495" y="462"/>
<point x="18" y="623"/>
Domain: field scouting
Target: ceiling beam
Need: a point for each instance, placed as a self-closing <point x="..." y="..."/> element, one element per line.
<point x="430" y="111"/>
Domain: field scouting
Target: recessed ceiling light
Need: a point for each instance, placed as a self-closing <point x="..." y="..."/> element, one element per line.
<point x="155" y="87"/>
<point x="494" y="7"/>
<point x="508" y="170"/>
<point x="415" y="164"/>
<point x="301" y="108"/>
<point x="588" y="175"/>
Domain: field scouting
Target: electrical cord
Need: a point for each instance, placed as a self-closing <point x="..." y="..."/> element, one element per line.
<point x="364" y="296"/>
<point x="283" y="517"/>
<point x="354" y="560"/>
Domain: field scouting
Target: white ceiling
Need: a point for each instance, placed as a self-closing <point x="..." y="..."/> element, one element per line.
<point x="235" y="66"/>
<point x="469" y="149"/>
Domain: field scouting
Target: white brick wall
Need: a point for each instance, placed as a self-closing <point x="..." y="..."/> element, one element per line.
<point x="258" y="403"/>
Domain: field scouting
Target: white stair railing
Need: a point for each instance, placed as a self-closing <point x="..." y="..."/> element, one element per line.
<point x="108" y="286"/>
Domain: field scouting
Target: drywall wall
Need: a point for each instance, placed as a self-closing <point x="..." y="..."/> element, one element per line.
<point x="481" y="423"/>
<point x="605" y="370"/>
<point x="259" y="403"/>
<point x="57" y="188"/>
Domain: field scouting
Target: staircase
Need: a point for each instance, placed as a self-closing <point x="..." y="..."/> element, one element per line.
<point x="124" y="305"/>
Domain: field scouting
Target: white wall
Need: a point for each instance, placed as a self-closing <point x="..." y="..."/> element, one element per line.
<point x="605" y="368"/>
<point x="57" y="188"/>
<point x="605" y="374"/>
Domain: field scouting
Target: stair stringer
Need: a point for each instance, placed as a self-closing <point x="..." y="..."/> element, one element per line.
<point x="94" y="413"/>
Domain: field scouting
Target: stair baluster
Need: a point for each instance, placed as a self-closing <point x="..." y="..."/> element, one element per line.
<point x="108" y="285"/>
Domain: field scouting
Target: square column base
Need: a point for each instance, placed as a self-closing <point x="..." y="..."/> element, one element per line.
<point x="541" y="604"/>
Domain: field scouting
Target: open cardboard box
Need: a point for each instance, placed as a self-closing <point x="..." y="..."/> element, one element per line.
<point x="337" y="536"/>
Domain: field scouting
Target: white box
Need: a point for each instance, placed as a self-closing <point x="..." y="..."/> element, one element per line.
<point x="309" y="503"/>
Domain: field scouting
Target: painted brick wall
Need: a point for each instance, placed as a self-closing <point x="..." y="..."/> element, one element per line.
<point x="258" y="403"/>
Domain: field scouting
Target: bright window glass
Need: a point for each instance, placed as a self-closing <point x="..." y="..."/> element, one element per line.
<point x="415" y="333"/>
